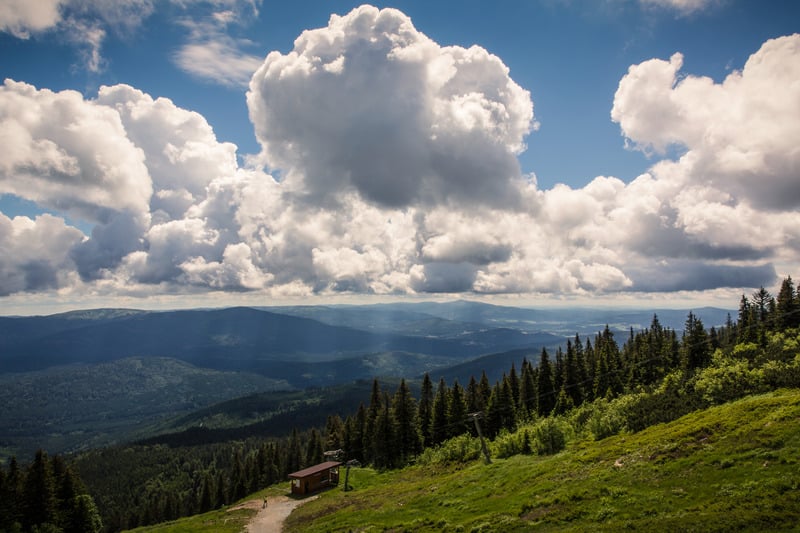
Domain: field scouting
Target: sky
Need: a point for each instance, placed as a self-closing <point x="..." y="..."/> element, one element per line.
<point x="205" y="153"/>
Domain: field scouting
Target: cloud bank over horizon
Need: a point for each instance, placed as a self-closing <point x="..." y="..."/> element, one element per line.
<point x="388" y="166"/>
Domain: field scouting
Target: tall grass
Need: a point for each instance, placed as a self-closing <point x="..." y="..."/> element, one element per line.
<point x="730" y="467"/>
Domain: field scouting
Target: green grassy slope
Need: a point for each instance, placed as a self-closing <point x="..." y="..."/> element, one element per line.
<point x="731" y="467"/>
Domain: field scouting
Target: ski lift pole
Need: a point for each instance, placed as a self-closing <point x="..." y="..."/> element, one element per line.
<point x="484" y="449"/>
<point x="347" y="465"/>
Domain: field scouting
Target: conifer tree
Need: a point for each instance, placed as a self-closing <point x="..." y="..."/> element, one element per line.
<point x="373" y="411"/>
<point x="513" y="381"/>
<point x="9" y="496"/>
<point x="508" y="410"/>
<point x="545" y="385"/>
<point x="348" y="437"/>
<point x="474" y="398"/>
<point x="485" y="389"/>
<point x="406" y="430"/>
<point x="384" y="451"/>
<point x="314" y="451"/>
<point x="572" y="385"/>
<point x="206" y="495"/>
<point x="745" y="328"/>
<point x="608" y="356"/>
<point x="672" y="349"/>
<point x="695" y="349"/>
<point x="580" y="365"/>
<point x="294" y="454"/>
<point x="334" y="429"/>
<point x="40" y="493"/>
<point x="787" y="306"/>
<point x="528" y="397"/>
<point x="220" y="491"/>
<point x="358" y="450"/>
<point x="425" y="411"/>
<point x="761" y="299"/>
<point x="602" y="385"/>
<point x="653" y="364"/>
<point x="494" y="412"/>
<point x="238" y="485"/>
<point x="457" y="413"/>
<point x="441" y="407"/>
<point x="558" y="370"/>
<point x="591" y="370"/>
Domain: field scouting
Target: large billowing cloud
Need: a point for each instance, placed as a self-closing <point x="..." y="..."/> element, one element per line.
<point x="370" y="104"/>
<point x="740" y="135"/>
<point x="395" y="173"/>
<point x="734" y="193"/>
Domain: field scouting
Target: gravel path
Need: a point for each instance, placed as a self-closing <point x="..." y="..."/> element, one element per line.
<point x="270" y="520"/>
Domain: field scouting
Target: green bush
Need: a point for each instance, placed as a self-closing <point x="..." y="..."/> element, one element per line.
<point x="549" y="436"/>
<point x="459" y="449"/>
<point x="728" y="382"/>
<point x="507" y="444"/>
<point x="778" y="374"/>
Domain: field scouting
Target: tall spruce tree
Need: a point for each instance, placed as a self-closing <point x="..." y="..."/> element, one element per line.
<point x="457" y="412"/>
<point x="513" y="381"/>
<point x="373" y="411"/>
<point x="474" y="398"/>
<point x="590" y="363"/>
<point x="787" y="305"/>
<point x="334" y="433"/>
<point x="545" y="385"/>
<point x="384" y="450"/>
<point x="40" y="504"/>
<point x="527" y="394"/>
<point x="294" y="453"/>
<point x="314" y="451"/>
<point x="485" y="389"/>
<point x="425" y="411"/>
<point x="10" y="497"/>
<point x="695" y="348"/>
<point x="357" y="450"/>
<point x="441" y="409"/>
<point x="406" y="429"/>
<point x="494" y="411"/>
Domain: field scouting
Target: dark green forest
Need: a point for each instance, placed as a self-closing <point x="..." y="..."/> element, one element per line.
<point x="662" y="374"/>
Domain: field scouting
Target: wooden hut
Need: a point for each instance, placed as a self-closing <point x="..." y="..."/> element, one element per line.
<point x="315" y="478"/>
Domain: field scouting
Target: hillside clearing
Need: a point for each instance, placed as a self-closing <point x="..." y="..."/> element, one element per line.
<point x="729" y="467"/>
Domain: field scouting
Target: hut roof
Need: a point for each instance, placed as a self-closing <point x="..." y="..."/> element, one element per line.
<point x="311" y="470"/>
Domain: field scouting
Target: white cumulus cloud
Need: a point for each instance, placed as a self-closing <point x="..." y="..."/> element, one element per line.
<point x="371" y="105"/>
<point x="395" y="172"/>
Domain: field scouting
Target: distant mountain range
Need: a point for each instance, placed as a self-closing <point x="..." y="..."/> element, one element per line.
<point x="279" y="345"/>
<point x="92" y="377"/>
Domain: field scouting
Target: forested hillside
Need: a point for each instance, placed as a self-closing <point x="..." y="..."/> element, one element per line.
<point x="592" y="386"/>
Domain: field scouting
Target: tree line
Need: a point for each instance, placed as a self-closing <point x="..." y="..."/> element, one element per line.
<point x="45" y="497"/>
<point x="145" y="484"/>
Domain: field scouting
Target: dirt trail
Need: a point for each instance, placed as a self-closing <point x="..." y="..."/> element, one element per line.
<point x="270" y="520"/>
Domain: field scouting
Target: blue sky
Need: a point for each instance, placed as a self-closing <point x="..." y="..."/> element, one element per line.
<point x="152" y="166"/>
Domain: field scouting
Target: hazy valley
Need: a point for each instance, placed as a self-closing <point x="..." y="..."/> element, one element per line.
<point x="97" y="377"/>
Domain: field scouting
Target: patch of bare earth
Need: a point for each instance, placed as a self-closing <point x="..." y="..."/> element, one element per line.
<point x="270" y="518"/>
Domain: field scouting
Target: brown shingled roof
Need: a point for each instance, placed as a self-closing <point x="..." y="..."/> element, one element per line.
<point x="311" y="470"/>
